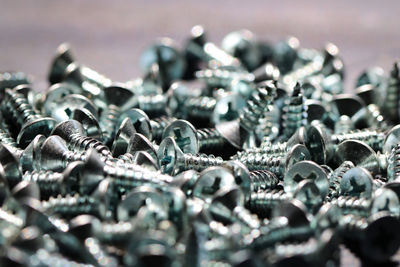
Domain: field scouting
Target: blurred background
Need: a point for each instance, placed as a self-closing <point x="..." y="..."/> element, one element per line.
<point x="109" y="36"/>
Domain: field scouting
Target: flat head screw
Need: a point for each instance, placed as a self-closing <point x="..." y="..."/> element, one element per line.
<point x="359" y="153"/>
<point x="74" y="134"/>
<point x="168" y="60"/>
<point x="390" y="102"/>
<point x="55" y="183"/>
<point x="60" y="62"/>
<point x="356" y="182"/>
<point x="229" y="201"/>
<point x="210" y="181"/>
<point x="27" y="120"/>
<point x="116" y="96"/>
<point x="306" y="170"/>
<point x="125" y="177"/>
<point x="138" y="143"/>
<point x="294" y="112"/>
<point x="173" y="160"/>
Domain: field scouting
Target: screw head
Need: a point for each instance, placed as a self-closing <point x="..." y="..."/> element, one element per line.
<point x="306" y="170"/>
<point x="228" y="108"/>
<point x="140" y="121"/>
<point x="356" y="182"/>
<point x="60" y="62"/>
<point x="359" y="153"/>
<point x="122" y="137"/>
<point x="211" y="180"/>
<point x="167" y="155"/>
<point x="184" y="134"/>
<point x="31" y="129"/>
<point x="391" y="140"/>
<point x="89" y="122"/>
<point x="139" y="142"/>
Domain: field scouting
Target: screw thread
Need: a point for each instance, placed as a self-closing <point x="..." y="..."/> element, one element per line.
<point x="209" y="138"/>
<point x="372" y="138"/>
<point x="129" y="176"/>
<point x="262" y="202"/>
<point x="108" y="120"/>
<point x="125" y="158"/>
<point x="201" y="106"/>
<point x="354" y="205"/>
<point x="19" y="109"/>
<point x="80" y="142"/>
<point x="224" y="78"/>
<point x="256" y="106"/>
<point x="294" y="113"/>
<point x="111" y="233"/>
<point x="336" y="176"/>
<point x="6" y="139"/>
<point x="199" y="162"/>
<point x="159" y="124"/>
<point x="71" y="156"/>
<point x="277" y="149"/>
<point x="50" y="183"/>
<point x="263" y="180"/>
<point x="353" y="223"/>
<point x="393" y="170"/>
<point x="73" y="205"/>
<point x="391" y="103"/>
<point x="268" y="162"/>
<point x="245" y="217"/>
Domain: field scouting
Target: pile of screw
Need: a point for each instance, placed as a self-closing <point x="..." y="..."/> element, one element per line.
<point x="244" y="155"/>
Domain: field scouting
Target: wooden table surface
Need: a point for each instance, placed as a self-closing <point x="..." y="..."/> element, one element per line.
<point x="109" y="36"/>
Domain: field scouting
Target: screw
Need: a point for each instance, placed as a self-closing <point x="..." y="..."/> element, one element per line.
<point x="306" y="170"/>
<point x="166" y="58"/>
<point x="374" y="236"/>
<point x="228" y="205"/>
<point x="74" y="134"/>
<point x="61" y="67"/>
<point x="276" y="164"/>
<point x="152" y="129"/>
<point x="390" y="104"/>
<point x="324" y="64"/>
<point x="116" y="96"/>
<point x="54" y="183"/>
<point x="382" y="200"/>
<point x="72" y="205"/>
<point x="190" y="140"/>
<point x="30" y="124"/>
<point x="173" y="160"/>
<point x="126" y="177"/>
<point x="82" y="227"/>
<point x="357" y="182"/>
<point x="335" y="178"/>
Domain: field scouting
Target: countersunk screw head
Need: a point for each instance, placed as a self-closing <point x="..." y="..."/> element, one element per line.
<point x="306" y="170"/>
<point x="184" y="134"/>
<point x="62" y="59"/>
<point x="140" y="121"/>
<point x="356" y="182"/>
<point x="359" y="153"/>
<point x="211" y="180"/>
